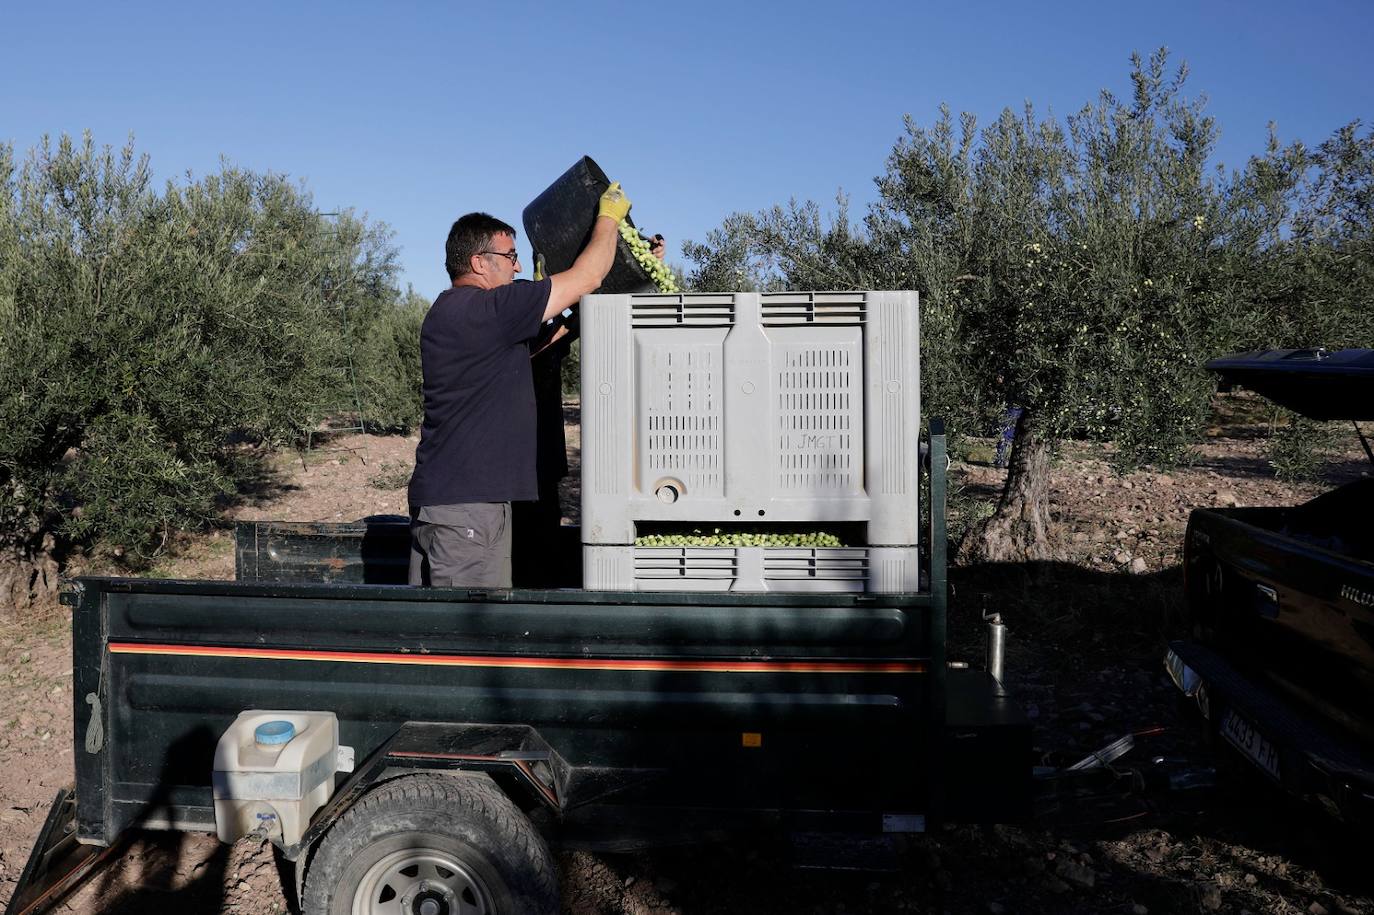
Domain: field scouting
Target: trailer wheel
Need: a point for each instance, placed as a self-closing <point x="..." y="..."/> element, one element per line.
<point x="432" y="845"/>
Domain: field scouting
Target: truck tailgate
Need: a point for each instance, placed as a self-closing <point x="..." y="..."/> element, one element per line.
<point x="1288" y="612"/>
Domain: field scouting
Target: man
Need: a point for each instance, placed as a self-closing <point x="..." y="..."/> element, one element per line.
<point x="477" y="443"/>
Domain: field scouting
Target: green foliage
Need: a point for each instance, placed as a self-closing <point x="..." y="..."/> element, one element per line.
<point x="1299" y="447"/>
<point x="571" y="370"/>
<point x="728" y="261"/>
<point x="146" y="335"/>
<point x="1085" y="269"/>
<point x="135" y="486"/>
<point x="1073" y="259"/>
<point x="387" y="359"/>
<point x="1302" y="273"/>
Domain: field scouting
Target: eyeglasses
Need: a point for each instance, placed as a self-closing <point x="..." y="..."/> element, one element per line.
<point x="512" y="255"/>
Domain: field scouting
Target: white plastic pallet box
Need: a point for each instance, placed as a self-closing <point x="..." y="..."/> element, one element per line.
<point x="750" y="408"/>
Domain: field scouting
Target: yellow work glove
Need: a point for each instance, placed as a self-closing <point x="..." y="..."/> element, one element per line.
<point x="614" y="203"/>
<point x="538" y="267"/>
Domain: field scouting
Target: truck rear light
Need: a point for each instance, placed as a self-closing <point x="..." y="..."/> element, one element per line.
<point x="1185" y="678"/>
<point x="1189" y="682"/>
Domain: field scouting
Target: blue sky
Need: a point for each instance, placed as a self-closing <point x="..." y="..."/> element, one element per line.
<point x="418" y="112"/>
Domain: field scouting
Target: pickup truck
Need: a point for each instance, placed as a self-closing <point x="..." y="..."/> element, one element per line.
<point x="1281" y="663"/>
<point x="487" y="726"/>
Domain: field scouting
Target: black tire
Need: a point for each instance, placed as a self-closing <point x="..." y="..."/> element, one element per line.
<point x="453" y="839"/>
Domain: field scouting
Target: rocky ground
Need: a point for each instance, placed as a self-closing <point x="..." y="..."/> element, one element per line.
<point x="1178" y="826"/>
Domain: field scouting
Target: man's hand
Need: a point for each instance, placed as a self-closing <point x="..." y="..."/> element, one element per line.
<point x="614" y="203"/>
<point x="658" y="247"/>
<point x="592" y="265"/>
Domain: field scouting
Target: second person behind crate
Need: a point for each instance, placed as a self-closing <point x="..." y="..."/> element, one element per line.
<point x="477" y="441"/>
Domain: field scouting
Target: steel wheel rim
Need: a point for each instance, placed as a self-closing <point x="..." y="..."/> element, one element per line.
<point x="421" y="881"/>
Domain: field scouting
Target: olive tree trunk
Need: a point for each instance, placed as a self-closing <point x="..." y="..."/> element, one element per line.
<point x="1018" y="530"/>
<point x="29" y="577"/>
<point x="26" y="584"/>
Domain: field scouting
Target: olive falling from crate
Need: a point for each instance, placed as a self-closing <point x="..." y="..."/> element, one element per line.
<point x="745" y="414"/>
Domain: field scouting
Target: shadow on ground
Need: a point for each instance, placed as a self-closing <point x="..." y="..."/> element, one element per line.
<point x="1088" y="663"/>
<point x="1073" y="615"/>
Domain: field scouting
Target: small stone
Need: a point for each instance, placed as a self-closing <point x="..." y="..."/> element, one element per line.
<point x="629" y="881"/>
<point x="1138" y="909"/>
<point x="57" y="690"/>
<point x="1138" y="566"/>
<point x="1251" y="880"/>
<point x="1211" y="898"/>
<point x="1317" y="908"/>
<point x="1227" y="498"/>
<point x="1074" y="872"/>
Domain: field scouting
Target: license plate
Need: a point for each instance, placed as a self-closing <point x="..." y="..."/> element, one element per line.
<point x="1243" y="735"/>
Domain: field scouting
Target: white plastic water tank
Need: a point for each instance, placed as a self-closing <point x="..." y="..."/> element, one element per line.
<point x="273" y="770"/>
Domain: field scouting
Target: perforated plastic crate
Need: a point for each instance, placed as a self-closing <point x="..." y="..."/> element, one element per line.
<point x="819" y="569"/>
<point x="750" y="407"/>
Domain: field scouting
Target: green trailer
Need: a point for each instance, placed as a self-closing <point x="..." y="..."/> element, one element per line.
<point x="486" y="727"/>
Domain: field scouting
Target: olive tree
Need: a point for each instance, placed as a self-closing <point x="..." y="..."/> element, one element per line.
<point x="1065" y="269"/>
<point x="148" y="336"/>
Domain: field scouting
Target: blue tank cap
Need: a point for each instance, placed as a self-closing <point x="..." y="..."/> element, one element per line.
<point x="274" y="733"/>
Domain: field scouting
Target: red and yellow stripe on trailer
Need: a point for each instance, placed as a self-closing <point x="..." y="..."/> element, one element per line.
<point x="519" y="662"/>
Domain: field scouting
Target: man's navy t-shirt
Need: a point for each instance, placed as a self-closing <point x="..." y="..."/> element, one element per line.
<point x="477" y="440"/>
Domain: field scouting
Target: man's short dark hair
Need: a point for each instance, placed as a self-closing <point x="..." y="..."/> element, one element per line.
<point x="471" y="234"/>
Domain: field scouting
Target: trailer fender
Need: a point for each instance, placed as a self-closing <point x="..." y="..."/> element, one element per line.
<point x="526" y="769"/>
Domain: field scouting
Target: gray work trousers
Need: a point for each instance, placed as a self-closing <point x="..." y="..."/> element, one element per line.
<point x="461" y="546"/>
